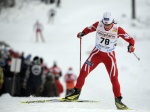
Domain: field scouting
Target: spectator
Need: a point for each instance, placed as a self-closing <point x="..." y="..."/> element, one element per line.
<point x="11" y="80"/>
<point x="33" y="78"/>
<point x="56" y="71"/>
<point x="24" y="66"/>
<point x="1" y="79"/>
<point x="49" y="89"/>
<point x="70" y="79"/>
<point x="8" y="76"/>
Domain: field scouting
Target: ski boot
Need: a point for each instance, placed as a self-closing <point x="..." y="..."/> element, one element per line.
<point x="119" y="104"/>
<point x="73" y="96"/>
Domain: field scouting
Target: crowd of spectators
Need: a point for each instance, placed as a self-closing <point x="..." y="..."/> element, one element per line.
<point x="34" y="77"/>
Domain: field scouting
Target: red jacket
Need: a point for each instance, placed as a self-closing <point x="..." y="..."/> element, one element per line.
<point x="121" y="33"/>
<point x="70" y="81"/>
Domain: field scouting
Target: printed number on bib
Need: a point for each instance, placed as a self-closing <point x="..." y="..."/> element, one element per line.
<point x="106" y="41"/>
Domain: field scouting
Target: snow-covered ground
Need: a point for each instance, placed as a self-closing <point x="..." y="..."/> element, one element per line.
<point x="16" y="29"/>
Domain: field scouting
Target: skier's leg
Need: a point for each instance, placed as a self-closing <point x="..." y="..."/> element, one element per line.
<point x="53" y="20"/>
<point x="89" y="65"/>
<point x="36" y="36"/>
<point x="42" y="37"/>
<point x="112" y="70"/>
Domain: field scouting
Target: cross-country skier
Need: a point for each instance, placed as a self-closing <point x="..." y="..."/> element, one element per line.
<point x="107" y="35"/>
<point x="38" y="27"/>
<point x="51" y="15"/>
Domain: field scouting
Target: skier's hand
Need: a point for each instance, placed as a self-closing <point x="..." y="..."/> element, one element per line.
<point x="130" y="48"/>
<point x="80" y="34"/>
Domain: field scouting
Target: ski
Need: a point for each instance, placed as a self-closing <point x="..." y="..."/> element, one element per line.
<point x="57" y="100"/>
<point x="125" y="109"/>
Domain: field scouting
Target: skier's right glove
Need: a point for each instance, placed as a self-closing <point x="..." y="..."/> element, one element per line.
<point x="80" y="34"/>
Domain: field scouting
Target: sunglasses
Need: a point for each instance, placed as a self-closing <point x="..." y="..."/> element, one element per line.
<point x="108" y="24"/>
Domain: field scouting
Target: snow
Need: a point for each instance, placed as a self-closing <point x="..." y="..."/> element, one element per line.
<point x="16" y="29"/>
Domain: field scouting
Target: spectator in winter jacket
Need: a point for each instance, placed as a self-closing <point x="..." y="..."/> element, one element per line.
<point x="26" y="63"/>
<point x="1" y="79"/>
<point x="33" y="78"/>
<point x="49" y="89"/>
<point x="70" y="79"/>
<point x="56" y="71"/>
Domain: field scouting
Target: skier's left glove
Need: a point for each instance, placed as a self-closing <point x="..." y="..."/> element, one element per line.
<point x="130" y="48"/>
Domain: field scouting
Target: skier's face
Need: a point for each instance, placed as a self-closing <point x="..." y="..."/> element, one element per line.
<point x="108" y="26"/>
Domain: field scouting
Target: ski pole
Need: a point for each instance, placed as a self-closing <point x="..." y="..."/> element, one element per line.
<point x="136" y="56"/>
<point x="80" y="51"/>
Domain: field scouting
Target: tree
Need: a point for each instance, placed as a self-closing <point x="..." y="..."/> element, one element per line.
<point x="133" y="9"/>
<point x="7" y="3"/>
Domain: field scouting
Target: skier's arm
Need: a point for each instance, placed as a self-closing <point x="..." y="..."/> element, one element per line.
<point x="87" y="30"/>
<point x="90" y="28"/>
<point x="126" y="37"/>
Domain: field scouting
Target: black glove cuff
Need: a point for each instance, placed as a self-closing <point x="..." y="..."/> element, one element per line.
<point x="82" y="33"/>
<point x="129" y="47"/>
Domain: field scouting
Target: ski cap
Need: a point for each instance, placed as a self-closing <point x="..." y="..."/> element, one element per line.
<point x="107" y="18"/>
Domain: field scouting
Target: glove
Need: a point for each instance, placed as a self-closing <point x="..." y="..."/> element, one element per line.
<point x="80" y="34"/>
<point x="130" y="48"/>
